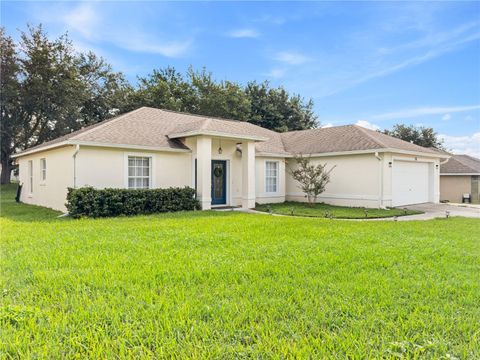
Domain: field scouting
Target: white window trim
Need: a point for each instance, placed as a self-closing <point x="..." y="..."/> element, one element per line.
<point x="30" y="177"/>
<point x="277" y="179"/>
<point x="43" y="181"/>
<point x="152" y="167"/>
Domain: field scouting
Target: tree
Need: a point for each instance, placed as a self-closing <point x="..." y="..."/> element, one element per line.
<point x="222" y="99"/>
<point x="312" y="178"/>
<point x="105" y="93"/>
<point x="48" y="90"/>
<point x="423" y="136"/>
<point x="165" y="89"/>
<point x="275" y="109"/>
<point x="9" y="110"/>
<point x="199" y="93"/>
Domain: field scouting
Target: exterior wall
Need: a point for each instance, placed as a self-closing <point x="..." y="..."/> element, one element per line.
<point x="388" y="164"/>
<point x="52" y="192"/>
<point x="355" y="181"/>
<point x="363" y="180"/>
<point x="452" y="187"/>
<point x="107" y="168"/>
<point x="262" y="197"/>
<point x="234" y="166"/>
<point x="97" y="167"/>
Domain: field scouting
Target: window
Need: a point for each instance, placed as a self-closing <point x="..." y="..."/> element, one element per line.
<point x="30" y="175"/>
<point x="139" y="172"/>
<point x="43" y="169"/>
<point x="271" y="176"/>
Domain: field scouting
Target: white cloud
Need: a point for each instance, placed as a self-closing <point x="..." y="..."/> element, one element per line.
<point x="83" y="19"/>
<point x="142" y="43"/>
<point x="90" y="25"/>
<point x="327" y="125"/>
<point x="446" y="117"/>
<point x="367" y="125"/>
<point x="416" y="112"/>
<point x="276" y="73"/>
<point x="244" y="33"/>
<point x="291" y="58"/>
<point x="468" y="144"/>
<point x="469" y="118"/>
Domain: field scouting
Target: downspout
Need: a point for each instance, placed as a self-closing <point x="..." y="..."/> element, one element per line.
<point x="77" y="149"/>
<point x="380" y="180"/>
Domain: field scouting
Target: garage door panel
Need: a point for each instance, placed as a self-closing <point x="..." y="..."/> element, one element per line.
<point x="410" y="183"/>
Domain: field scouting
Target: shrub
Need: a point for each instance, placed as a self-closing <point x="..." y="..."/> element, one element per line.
<point x="90" y="202"/>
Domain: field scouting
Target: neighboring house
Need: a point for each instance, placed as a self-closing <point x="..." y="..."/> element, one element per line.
<point x="228" y="162"/>
<point x="458" y="176"/>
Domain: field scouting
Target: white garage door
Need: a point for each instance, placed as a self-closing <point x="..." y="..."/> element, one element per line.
<point x="410" y="183"/>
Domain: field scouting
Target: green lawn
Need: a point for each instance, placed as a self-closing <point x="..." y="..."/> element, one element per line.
<point x="326" y="211"/>
<point x="227" y="285"/>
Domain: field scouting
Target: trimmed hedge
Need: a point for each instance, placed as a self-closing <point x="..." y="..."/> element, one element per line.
<point x="90" y="202"/>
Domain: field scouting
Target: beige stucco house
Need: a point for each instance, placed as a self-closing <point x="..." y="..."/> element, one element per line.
<point x="228" y="162"/>
<point x="458" y="176"/>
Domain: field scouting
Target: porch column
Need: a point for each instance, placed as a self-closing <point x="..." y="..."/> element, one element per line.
<point x="204" y="171"/>
<point x="248" y="174"/>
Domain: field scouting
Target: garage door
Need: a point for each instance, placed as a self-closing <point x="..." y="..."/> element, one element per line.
<point x="410" y="183"/>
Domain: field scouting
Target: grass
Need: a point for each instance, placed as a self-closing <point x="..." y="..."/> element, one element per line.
<point x="325" y="211"/>
<point x="229" y="285"/>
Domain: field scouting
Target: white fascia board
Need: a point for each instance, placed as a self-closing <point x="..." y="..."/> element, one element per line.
<point x="100" y="144"/>
<point x="40" y="149"/>
<point x="380" y="150"/>
<point x="459" y="174"/>
<point x="217" y="134"/>
<point x="128" y="146"/>
<point x="272" y="155"/>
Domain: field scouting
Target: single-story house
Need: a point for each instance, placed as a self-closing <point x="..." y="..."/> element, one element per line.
<point x="458" y="176"/>
<point x="228" y="162"/>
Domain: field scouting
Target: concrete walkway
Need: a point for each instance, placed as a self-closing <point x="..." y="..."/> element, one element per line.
<point x="430" y="211"/>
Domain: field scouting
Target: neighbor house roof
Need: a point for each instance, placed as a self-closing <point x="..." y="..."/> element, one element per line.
<point x="461" y="164"/>
<point x="158" y="129"/>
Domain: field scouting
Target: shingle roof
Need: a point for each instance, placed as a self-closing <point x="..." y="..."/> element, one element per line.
<point x="461" y="164"/>
<point x="344" y="138"/>
<point x="161" y="129"/>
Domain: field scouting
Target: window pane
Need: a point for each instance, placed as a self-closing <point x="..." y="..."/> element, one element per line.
<point x="139" y="172"/>
<point x="271" y="176"/>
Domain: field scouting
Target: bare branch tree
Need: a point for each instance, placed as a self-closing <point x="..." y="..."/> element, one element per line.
<point x="312" y="178"/>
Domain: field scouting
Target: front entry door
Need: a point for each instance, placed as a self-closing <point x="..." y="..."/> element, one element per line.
<point x="219" y="182"/>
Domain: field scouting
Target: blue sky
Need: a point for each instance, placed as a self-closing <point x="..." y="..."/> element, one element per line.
<point x="371" y="63"/>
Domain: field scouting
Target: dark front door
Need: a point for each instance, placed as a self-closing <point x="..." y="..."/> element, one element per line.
<point x="219" y="182"/>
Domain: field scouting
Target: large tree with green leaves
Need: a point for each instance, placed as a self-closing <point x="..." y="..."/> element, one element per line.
<point x="419" y="135"/>
<point x="199" y="93"/>
<point x="48" y="90"/>
<point x="276" y="109"/>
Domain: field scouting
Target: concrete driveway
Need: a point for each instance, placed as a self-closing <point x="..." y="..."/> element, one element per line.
<point x="432" y="211"/>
